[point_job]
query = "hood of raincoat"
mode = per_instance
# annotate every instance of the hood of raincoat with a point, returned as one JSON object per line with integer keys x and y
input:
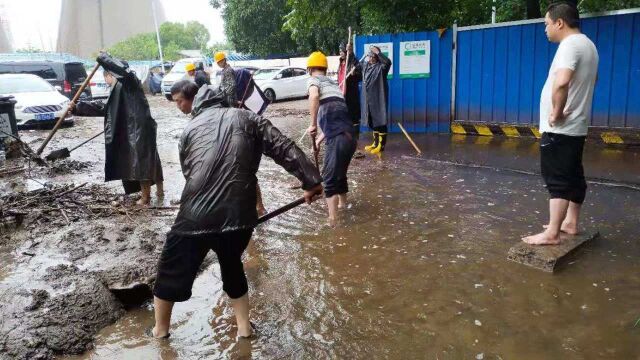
{"x": 220, "y": 152}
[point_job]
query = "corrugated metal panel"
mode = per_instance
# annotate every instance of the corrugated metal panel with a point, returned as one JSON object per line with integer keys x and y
{"x": 501, "y": 72}
{"x": 421, "y": 105}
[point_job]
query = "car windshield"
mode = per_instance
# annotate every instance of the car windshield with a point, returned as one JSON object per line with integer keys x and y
{"x": 178, "y": 68}
{"x": 13, "y": 85}
{"x": 265, "y": 74}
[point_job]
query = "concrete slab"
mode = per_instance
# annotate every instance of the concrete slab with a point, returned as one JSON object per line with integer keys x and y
{"x": 545, "y": 257}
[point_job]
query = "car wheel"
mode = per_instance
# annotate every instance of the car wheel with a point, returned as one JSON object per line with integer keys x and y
{"x": 169, "y": 97}
{"x": 270, "y": 94}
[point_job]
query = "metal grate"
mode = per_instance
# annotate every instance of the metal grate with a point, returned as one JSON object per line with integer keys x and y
{"x": 42, "y": 109}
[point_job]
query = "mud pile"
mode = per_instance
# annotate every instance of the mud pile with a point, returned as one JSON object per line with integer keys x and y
{"x": 68, "y": 166}
{"x": 82, "y": 254}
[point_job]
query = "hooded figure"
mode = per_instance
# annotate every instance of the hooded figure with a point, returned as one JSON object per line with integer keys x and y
{"x": 375, "y": 68}
{"x": 220, "y": 151}
{"x": 131, "y": 153}
{"x": 351, "y": 92}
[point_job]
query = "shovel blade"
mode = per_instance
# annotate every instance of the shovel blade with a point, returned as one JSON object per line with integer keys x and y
{"x": 58, "y": 154}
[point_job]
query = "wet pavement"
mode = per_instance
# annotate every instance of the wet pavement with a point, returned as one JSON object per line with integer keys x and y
{"x": 417, "y": 267}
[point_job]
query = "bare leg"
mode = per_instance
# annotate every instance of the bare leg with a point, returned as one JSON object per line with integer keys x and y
{"x": 342, "y": 201}
{"x": 160, "y": 190}
{"x": 162, "y": 309}
{"x": 241, "y": 310}
{"x": 332, "y": 205}
{"x": 259, "y": 205}
{"x": 570, "y": 223}
{"x": 551, "y": 235}
{"x": 145, "y": 199}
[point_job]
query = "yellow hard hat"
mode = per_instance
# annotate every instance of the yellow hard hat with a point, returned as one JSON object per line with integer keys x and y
{"x": 317, "y": 59}
{"x": 189, "y": 67}
{"x": 219, "y": 56}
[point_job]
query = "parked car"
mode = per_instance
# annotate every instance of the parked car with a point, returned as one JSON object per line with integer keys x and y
{"x": 99, "y": 88}
{"x": 279, "y": 83}
{"x": 178, "y": 73}
{"x": 66, "y": 77}
{"x": 37, "y": 101}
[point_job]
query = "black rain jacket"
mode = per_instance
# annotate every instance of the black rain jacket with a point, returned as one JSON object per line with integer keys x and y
{"x": 131, "y": 153}
{"x": 220, "y": 151}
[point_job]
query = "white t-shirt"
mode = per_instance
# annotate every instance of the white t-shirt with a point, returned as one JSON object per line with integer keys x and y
{"x": 578, "y": 53}
{"x": 326, "y": 85}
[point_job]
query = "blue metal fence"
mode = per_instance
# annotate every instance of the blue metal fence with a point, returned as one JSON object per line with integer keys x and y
{"x": 421, "y": 104}
{"x": 501, "y": 71}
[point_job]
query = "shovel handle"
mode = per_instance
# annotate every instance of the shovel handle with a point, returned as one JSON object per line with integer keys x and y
{"x": 86, "y": 141}
{"x": 64, "y": 115}
{"x": 284, "y": 209}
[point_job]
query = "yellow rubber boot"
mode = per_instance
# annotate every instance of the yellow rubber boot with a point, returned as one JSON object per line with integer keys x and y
{"x": 382, "y": 140}
{"x": 375, "y": 142}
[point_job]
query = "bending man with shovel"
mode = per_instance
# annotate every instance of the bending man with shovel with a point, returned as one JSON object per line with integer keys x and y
{"x": 129, "y": 131}
{"x": 220, "y": 151}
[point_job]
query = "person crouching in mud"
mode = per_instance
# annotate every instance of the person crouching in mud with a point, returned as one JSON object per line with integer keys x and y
{"x": 220, "y": 151}
{"x": 131, "y": 153}
{"x": 328, "y": 108}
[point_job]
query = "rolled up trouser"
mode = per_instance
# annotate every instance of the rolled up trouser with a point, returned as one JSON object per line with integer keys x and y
{"x": 561, "y": 166}
{"x": 338, "y": 153}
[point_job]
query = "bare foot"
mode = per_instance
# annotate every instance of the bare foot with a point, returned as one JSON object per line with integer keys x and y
{"x": 261, "y": 211}
{"x": 247, "y": 332}
{"x": 333, "y": 222}
{"x": 143, "y": 202}
{"x": 542, "y": 239}
{"x": 567, "y": 228}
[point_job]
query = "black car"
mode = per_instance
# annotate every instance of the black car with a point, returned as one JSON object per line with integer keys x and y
{"x": 66, "y": 77}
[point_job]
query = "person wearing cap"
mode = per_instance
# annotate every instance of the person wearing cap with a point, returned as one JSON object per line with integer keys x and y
{"x": 198, "y": 74}
{"x": 131, "y": 152}
{"x": 349, "y": 75}
{"x": 228, "y": 81}
{"x": 375, "y": 68}
{"x": 220, "y": 151}
{"x": 329, "y": 110}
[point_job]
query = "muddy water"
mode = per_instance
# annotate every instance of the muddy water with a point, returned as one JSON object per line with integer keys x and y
{"x": 417, "y": 269}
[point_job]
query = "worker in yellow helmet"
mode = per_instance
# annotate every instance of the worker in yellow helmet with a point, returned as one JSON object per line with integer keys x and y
{"x": 329, "y": 110}
{"x": 228, "y": 81}
{"x": 197, "y": 74}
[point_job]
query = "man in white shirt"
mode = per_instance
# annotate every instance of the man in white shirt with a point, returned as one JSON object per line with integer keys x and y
{"x": 565, "y": 114}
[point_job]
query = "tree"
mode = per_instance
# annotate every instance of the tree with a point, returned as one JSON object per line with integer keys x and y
{"x": 256, "y": 26}
{"x": 305, "y": 25}
{"x": 173, "y": 36}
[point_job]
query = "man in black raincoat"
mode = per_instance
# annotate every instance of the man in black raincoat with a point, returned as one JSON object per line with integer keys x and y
{"x": 375, "y": 68}
{"x": 349, "y": 87}
{"x": 131, "y": 153}
{"x": 220, "y": 151}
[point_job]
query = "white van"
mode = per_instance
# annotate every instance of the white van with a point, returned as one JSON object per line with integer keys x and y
{"x": 178, "y": 73}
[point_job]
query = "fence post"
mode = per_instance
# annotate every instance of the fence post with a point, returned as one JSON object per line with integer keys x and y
{"x": 454, "y": 60}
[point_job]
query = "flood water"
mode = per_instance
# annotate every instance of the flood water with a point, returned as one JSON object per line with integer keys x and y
{"x": 417, "y": 269}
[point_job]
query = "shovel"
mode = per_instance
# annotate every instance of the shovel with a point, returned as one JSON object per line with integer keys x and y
{"x": 65, "y": 153}
{"x": 284, "y": 209}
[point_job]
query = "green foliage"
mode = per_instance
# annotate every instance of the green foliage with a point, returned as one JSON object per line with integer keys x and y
{"x": 29, "y": 50}
{"x": 255, "y": 26}
{"x": 173, "y": 36}
{"x": 262, "y": 27}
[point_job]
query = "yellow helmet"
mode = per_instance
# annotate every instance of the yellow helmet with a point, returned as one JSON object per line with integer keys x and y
{"x": 189, "y": 67}
{"x": 317, "y": 59}
{"x": 219, "y": 56}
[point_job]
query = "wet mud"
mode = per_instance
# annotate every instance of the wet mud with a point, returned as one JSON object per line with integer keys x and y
{"x": 416, "y": 269}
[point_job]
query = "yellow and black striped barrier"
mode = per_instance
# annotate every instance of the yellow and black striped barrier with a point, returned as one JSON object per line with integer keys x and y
{"x": 605, "y": 136}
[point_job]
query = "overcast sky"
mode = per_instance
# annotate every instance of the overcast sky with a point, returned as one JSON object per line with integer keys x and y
{"x": 35, "y": 22}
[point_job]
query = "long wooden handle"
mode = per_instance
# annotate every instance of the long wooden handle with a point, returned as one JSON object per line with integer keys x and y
{"x": 410, "y": 139}
{"x": 64, "y": 115}
{"x": 284, "y": 209}
{"x": 346, "y": 64}
{"x": 315, "y": 151}
{"x": 86, "y": 141}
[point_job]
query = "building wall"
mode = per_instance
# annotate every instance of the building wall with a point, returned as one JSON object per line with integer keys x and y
{"x": 87, "y": 26}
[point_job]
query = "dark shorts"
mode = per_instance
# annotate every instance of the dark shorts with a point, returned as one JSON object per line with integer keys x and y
{"x": 561, "y": 166}
{"x": 338, "y": 153}
{"x": 182, "y": 256}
